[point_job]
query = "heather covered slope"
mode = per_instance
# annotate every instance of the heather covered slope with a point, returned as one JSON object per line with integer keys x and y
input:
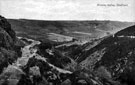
{"x": 116, "y": 54}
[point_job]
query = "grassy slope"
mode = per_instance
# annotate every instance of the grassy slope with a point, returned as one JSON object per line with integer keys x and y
{"x": 37, "y": 28}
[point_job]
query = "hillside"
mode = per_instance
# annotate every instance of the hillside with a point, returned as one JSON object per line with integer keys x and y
{"x": 87, "y": 30}
{"x": 116, "y": 54}
{"x": 35, "y": 56}
{"x": 10, "y": 46}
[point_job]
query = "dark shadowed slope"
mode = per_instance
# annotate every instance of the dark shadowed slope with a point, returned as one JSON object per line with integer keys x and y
{"x": 127, "y": 32}
{"x": 9, "y": 44}
{"x": 117, "y": 54}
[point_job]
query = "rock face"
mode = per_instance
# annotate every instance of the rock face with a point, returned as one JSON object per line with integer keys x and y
{"x": 10, "y": 46}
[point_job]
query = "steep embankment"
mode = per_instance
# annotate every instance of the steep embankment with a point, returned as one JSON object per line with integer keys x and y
{"x": 9, "y": 45}
{"x": 116, "y": 55}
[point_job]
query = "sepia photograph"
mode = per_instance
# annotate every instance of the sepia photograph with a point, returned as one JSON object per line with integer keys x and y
{"x": 67, "y": 42}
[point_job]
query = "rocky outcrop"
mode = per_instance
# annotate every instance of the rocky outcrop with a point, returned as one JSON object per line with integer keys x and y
{"x": 10, "y": 46}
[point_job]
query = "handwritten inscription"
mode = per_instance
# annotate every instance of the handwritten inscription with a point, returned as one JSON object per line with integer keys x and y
{"x": 113, "y": 5}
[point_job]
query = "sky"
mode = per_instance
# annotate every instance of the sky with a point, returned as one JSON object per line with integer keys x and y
{"x": 69, "y": 9}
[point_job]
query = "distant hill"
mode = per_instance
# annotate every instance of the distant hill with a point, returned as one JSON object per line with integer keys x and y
{"x": 38, "y": 29}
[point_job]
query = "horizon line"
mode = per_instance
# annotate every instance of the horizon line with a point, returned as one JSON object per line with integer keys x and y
{"x": 70, "y": 20}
